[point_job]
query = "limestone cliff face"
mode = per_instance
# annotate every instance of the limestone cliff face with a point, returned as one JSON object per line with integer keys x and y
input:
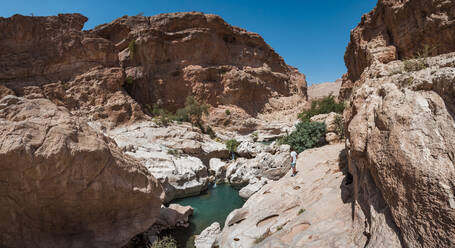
{"x": 400, "y": 128}
{"x": 163, "y": 59}
{"x": 180, "y": 54}
{"x": 399, "y": 29}
{"x": 41, "y": 50}
{"x": 65, "y": 185}
{"x": 400, "y": 123}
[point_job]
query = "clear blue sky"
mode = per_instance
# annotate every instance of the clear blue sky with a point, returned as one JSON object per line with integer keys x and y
{"x": 309, "y": 34}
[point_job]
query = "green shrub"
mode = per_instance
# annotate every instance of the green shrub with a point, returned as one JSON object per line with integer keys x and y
{"x": 192, "y": 110}
{"x": 321, "y": 106}
{"x": 306, "y": 136}
{"x": 301, "y": 211}
{"x": 164, "y": 117}
{"x": 232, "y": 145}
{"x": 228, "y": 112}
{"x": 165, "y": 120}
{"x": 164, "y": 242}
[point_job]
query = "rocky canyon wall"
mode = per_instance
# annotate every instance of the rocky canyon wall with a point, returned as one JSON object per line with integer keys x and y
{"x": 399, "y": 30}
{"x": 63, "y": 90}
{"x": 158, "y": 60}
{"x": 400, "y": 122}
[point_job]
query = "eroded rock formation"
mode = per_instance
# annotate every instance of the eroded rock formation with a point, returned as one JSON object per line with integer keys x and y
{"x": 171, "y": 56}
{"x": 312, "y": 209}
{"x": 158, "y": 60}
{"x": 65, "y": 185}
{"x": 401, "y": 152}
{"x": 399, "y": 123}
{"x": 399, "y": 29}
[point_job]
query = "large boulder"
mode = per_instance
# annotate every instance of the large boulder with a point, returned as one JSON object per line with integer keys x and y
{"x": 254, "y": 186}
{"x": 178, "y": 155}
{"x": 267, "y": 165}
{"x": 218, "y": 168}
{"x": 66, "y": 185}
{"x": 208, "y": 237}
{"x": 173, "y": 216}
{"x": 334, "y": 126}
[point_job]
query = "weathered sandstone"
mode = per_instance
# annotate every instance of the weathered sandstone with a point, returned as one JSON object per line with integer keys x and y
{"x": 229, "y": 66}
{"x": 177, "y": 155}
{"x": 152, "y": 59}
{"x": 398, "y": 29}
{"x": 400, "y": 138}
{"x": 312, "y": 209}
{"x": 66, "y": 185}
{"x": 207, "y": 238}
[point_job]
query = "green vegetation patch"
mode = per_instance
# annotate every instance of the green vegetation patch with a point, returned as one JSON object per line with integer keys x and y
{"x": 192, "y": 112}
{"x": 306, "y": 136}
{"x": 322, "y": 106}
{"x": 232, "y": 145}
{"x": 164, "y": 242}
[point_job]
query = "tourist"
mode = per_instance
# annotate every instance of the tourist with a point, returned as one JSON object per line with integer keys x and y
{"x": 294, "y": 162}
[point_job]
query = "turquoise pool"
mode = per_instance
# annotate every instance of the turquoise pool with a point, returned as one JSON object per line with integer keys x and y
{"x": 213, "y": 205}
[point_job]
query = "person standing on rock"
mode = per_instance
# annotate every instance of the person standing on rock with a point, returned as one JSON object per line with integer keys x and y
{"x": 294, "y": 162}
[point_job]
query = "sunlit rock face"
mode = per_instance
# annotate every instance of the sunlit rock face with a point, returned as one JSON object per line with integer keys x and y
{"x": 181, "y": 54}
{"x": 398, "y": 29}
{"x": 158, "y": 60}
{"x": 400, "y": 125}
{"x": 66, "y": 185}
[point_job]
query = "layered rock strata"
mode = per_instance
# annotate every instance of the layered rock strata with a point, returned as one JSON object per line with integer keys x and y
{"x": 159, "y": 60}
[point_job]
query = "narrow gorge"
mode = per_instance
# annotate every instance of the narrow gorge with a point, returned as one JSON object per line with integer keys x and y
{"x": 176, "y": 130}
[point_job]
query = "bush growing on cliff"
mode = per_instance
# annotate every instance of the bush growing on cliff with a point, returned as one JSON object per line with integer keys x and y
{"x": 192, "y": 112}
{"x": 306, "y": 136}
{"x": 232, "y": 145}
{"x": 164, "y": 242}
{"x": 322, "y": 106}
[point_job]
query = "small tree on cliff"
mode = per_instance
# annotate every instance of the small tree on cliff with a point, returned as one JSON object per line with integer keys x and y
{"x": 192, "y": 112}
{"x": 232, "y": 145}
